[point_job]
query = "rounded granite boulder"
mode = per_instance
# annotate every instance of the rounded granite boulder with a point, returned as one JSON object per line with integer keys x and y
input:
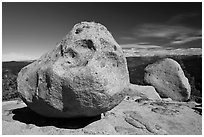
{"x": 168, "y": 79}
{"x": 85, "y": 75}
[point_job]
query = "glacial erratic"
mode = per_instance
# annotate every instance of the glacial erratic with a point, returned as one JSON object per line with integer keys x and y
{"x": 85, "y": 75}
{"x": 168, "y": 78}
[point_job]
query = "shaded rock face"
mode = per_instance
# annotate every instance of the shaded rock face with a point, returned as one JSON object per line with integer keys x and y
{"x": 85, "y": 75}
{"x": 169, "y": 80}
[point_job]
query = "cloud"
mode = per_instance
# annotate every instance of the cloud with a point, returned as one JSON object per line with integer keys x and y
{"x": 178, "y": 30}
{"x": 183, "y": 18}
{"x": 184, "y": 40}
{"x": 17, "y": 57}
{"x": 163, "y": 31}
{"x": 169, "y": 34}
{"x": 140, "y": 46}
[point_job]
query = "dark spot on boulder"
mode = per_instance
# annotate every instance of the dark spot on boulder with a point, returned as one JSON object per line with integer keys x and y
{"x": 86, "y": 43}
{"x": 71, "y": 52}
{"x": 112, "y": 55}
{"x": 86, "y": 26}
{"x": 86, "y": 62}
{"x": 115, "y": 48}
{"x": 78, "y": 30}
{"x": 90, "y": 44}
{"x": 61, "y": 50}
{"x": 48, "y": 81}
{"x": 37, "y": 79}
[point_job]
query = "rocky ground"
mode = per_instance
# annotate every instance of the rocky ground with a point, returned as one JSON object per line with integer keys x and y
{"x": 133, "y": 116}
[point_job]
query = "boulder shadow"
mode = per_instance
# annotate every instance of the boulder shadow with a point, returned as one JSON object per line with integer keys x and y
{"x": 27, "y": 116}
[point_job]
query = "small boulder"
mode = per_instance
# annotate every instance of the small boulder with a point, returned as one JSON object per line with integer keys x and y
{"x": 169, "y": 80}
{"x": 148, "y": 92}
{"x": 85, "y": 75}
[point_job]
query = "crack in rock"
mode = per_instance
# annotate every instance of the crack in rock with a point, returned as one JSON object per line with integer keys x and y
{"x": 149, "y": 126}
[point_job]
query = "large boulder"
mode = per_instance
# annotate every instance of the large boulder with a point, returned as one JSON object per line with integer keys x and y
{"x": 85, "y": 75}
{"x": 169, "y": 80}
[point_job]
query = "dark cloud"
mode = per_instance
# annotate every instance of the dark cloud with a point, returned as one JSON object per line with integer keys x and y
{"x": 187, "y": 19}
{"x": 163, "y": 31}
{"x": 181, "y": 17}
{"x": 173, "y": 31}
{"x": 168, "y": 32}
{"x": 178, "y": 29}
{"x": 163, "y": 34}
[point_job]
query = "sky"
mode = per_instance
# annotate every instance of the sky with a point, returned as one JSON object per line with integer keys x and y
{"x": 31, "y": 29}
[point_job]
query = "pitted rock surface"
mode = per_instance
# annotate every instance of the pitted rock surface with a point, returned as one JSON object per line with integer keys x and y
{"x": 85, "y": 75}
{"x": 168, "y": 79}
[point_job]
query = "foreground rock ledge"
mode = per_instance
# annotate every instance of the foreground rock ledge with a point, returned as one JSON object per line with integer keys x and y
{"x": 85, "y": 75}
{"x": 130, "y": 117}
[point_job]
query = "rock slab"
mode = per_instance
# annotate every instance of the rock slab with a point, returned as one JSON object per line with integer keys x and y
{"x": 147, "y": 92}
{"x": 168, "y": 79}
{"x": 85, "y": 75}
{"x": 128, "y": 118}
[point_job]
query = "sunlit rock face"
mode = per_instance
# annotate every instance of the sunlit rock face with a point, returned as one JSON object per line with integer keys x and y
{"x": 147, "y": 92}
{"x": 168, "y": 79}
{"x": 85, "y": 75}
